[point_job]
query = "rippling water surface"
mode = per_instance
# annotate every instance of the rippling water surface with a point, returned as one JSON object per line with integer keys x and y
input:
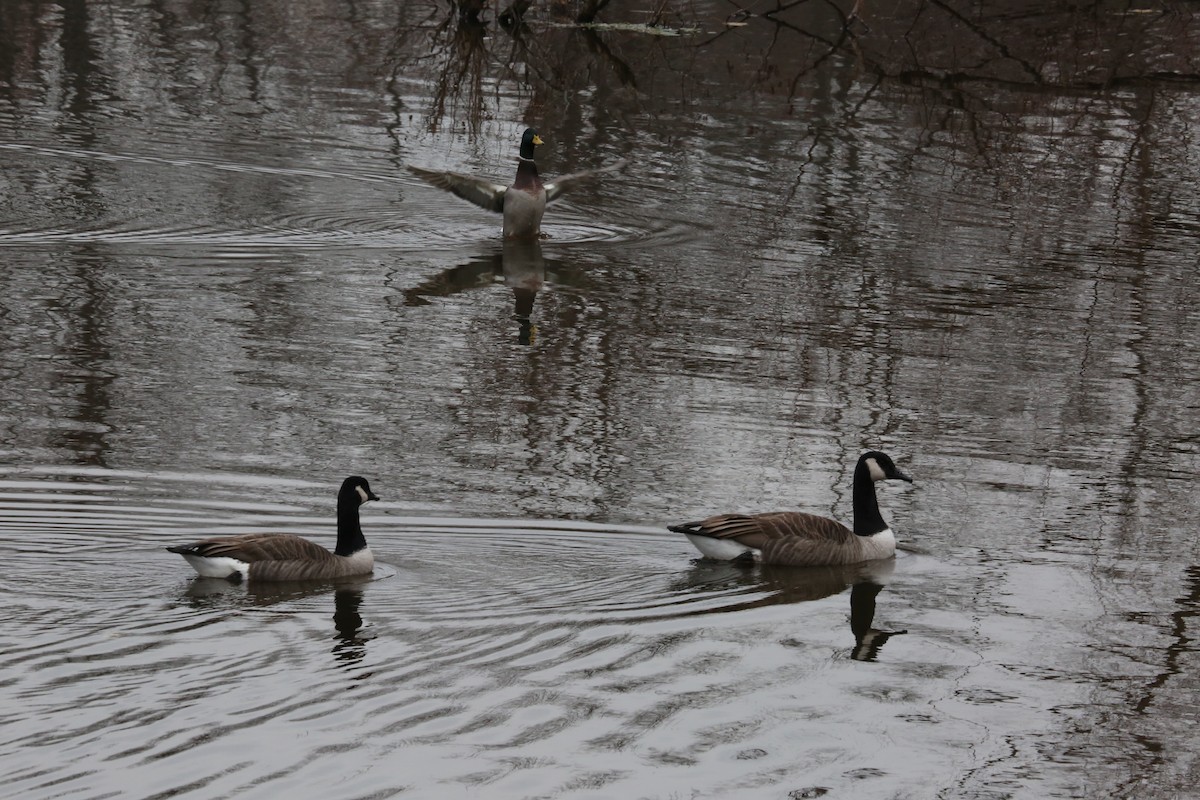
{"x": 962, "y": 235}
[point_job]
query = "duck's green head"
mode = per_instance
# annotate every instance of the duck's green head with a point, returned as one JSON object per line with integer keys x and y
{"x": 529, "y": 140}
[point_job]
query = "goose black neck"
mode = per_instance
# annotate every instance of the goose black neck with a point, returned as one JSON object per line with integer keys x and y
{"x": 867, "y": 519}
{"x": 350, "y": 536}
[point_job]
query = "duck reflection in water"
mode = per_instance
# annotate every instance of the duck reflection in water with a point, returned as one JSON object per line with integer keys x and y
{"x": 519, "y": 265}
{"x": 804, "y": 584}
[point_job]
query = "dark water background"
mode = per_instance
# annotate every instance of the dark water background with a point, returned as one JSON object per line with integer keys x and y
{"x": 962, "y": 233}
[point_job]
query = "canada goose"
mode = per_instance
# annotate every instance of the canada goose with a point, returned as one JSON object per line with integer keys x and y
{"x": 805, "y": 540}
{"x": 284, "y": 557}
{"x": 523, "y": 203}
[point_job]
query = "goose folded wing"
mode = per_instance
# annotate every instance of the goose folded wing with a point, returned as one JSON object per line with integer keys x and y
{"x": 262, "y": 547}
{"x": 755, "y": 530}
{"x": 798, "y": 525}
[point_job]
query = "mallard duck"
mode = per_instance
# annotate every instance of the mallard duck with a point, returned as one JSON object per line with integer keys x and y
{"x": 805, "y": 540}
{"x": 284, "y": 557}
{"x": 523, "y": 203}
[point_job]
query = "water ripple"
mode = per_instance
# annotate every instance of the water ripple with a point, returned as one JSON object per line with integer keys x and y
{"x": 178, "y": 161}
{"x": 513, "y": 640}
{"x": 387, "y": 229}
{"x": 345, "y": 219}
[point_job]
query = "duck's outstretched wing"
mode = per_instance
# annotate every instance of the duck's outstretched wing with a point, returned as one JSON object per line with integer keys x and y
{"x": 564, "y": 183}
{"x": 254, "y": 547}
{"x": 483, "y": 193}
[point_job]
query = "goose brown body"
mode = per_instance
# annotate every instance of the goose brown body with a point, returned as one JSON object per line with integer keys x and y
{"x": 281, "y": 557}
{"x": 794, "y": 538}
{"x": 284, "y": 557}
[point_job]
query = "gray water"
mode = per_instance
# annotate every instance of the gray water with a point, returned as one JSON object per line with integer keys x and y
{"x": 964, "y": 234}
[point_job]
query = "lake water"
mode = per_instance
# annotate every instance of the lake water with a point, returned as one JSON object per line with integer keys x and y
{"x": 964, "y": 234}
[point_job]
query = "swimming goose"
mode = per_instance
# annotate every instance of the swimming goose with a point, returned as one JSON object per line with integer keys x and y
{"x": 284, "y": 557}
{"x": 523, "y": 203}
{"x": 805, "y": 540}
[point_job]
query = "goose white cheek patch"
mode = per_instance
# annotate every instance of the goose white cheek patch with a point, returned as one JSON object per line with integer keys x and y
{"x": 877, "y": 473}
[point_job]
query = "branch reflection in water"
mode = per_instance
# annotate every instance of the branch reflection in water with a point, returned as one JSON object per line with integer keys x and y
{"x": 469, "y": 52}
{"x": 805, "y": 584}
{"x": 521, "y": 266}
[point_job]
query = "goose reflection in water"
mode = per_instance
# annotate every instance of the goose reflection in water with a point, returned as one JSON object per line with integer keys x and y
{"x": 519, "y": 265}
{"x": 867, "y": 640}
{"x": 350, "y": 641}
{"x": 804, "y": 584}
